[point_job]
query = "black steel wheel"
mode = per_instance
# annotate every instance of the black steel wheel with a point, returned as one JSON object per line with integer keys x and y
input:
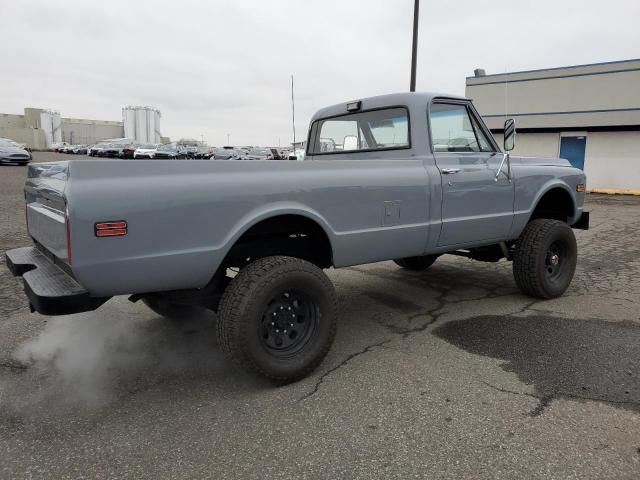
{"x": 288, "y": 323}
{"x": 416, "y": 263}
{"x": 545, "y": 258}
{"x": 278, "y": 318}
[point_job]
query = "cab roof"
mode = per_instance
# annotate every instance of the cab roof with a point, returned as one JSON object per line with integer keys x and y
{"x": 409, "y": 99}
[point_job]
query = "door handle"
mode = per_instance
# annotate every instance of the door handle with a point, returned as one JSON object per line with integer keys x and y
{"x": 449, "y": 171}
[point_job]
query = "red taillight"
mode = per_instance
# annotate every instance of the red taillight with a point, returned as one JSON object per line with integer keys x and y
{"x": 111, "y": 229}
{"x": 68, "y": 227}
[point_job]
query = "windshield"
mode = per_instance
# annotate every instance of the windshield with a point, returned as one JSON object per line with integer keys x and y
{"x": 149, "y": 146}
{"x": 259, "y": 152}
{"x": 167, "y": 148}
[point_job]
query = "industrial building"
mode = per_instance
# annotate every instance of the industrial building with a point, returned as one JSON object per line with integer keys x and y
{"x": 40, "y": 128}
{"x": 588, "y": 114}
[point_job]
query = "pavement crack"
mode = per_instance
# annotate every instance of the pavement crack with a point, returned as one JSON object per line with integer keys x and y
{"x": 344, "y": 363}
{"x": 13, "y": 365}
{"x": 543, "y": 401}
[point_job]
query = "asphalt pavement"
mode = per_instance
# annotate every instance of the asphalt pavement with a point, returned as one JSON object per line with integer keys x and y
{"x": 449, "y": 373}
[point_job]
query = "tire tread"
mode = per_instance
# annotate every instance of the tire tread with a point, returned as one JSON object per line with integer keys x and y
{"x": 239, "y": 294}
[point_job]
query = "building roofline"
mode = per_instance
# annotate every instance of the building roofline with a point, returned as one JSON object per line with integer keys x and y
{"x": 555, "y": 68}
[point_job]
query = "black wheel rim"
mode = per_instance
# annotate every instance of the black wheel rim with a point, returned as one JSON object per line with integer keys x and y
{"x": 555, "y": 261}
{"x": 288, "y": 323}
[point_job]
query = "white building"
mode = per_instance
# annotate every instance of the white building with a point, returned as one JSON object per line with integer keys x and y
{"x": 588, "y": 114}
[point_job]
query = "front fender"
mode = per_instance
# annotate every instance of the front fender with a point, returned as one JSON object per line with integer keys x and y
{"x": 529, "y": 194}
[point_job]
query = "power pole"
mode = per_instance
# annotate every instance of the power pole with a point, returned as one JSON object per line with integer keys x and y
{"x": 293, "y": 115}
{"x": 414, "y": 50}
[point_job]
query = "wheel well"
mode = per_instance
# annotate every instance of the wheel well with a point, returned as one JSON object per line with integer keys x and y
{"x": 556, "y": 204}
{"x": 293, "y": 235}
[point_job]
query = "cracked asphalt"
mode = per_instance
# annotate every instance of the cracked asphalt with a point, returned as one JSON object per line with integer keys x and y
{"x": 449, "y": 373}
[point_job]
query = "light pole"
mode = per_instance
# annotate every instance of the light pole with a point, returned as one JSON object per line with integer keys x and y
{"x": 293, "y": 115}
{"x": 228, "y": 135}
{"x": 414, "y": 50}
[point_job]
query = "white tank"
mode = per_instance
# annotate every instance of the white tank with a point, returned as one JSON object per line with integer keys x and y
{"x": 151, "y": 126}
{"x": 141, "y": 124}
{"x": 129, "y": 120}
{"x": 156, "y": 131}
{"x": 51, "y": 124}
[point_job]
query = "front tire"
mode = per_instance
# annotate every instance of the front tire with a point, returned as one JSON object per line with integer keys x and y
{"x": 278, "y": 318}
{"x": 545, "y": 258}
{"x": 416, "y": 263}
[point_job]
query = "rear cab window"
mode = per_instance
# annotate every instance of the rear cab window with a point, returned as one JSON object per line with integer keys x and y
{"x": 372, "y": 130}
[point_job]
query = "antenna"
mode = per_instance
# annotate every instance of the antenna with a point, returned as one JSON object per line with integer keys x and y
{"x": 293, "y": 115}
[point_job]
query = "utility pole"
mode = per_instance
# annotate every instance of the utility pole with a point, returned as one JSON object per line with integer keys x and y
{"x": 228, "y": 135}
{"x": 414, "y": 50}
{"x": 293, "y": 115}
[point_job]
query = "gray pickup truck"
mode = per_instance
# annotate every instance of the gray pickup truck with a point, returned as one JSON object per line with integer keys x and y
{"x": 404, "y": 177}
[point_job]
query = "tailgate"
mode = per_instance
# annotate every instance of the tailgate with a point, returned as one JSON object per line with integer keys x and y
{"x": 46, "y": 206}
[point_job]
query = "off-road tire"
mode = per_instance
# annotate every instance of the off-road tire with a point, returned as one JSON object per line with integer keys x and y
{"x": 416, "y": 263}
{"x": 242, "y": 316}
{"x": 531, "y": 262}
{"x": 174, "y": 311}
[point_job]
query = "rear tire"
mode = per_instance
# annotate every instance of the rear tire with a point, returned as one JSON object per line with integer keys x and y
{"x": 545, "y": 258}
{"x": 174, "y": 311}
{"x": 278, "y": 318}
{"x": 416, "y": 263}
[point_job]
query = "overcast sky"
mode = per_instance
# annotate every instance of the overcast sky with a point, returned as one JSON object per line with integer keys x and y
{"x": 223, "y": 67}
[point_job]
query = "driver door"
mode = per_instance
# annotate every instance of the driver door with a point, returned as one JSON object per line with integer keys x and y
{"x": 476, "y": 206}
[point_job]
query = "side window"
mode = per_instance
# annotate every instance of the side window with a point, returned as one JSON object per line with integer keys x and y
{"x": 454, "y": 130}
{"x": 372, "y": 130}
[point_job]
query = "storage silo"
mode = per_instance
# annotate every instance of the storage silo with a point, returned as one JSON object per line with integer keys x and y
{"x": 156, "y": 132}
{"x": 141, "y": 124}
{"x": 56, "y": 122}
{"x": 129, "y": 120}
{"x": 151, "y": 126}
{"x": 51, "y": 125}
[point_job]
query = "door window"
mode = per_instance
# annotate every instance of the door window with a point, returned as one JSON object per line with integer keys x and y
{"x": 453, "y": 129}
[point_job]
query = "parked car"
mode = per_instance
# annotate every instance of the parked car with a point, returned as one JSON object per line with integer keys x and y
{"x": 259, "y": 154}
{"x": 145, "y": 151}
{"x": 96, "y": 149}
{"x": 191, "y": 151}
{"x": 22, "y": 146}
{"x": 128, "y": 151}
{"x": 112, "y": 150}
{"x": 229, "y": 154}
{"x": 57, "y": 147}
{"x": 297, "y": 154}
{"x": 170, "y": 151}
{"x": 79, "y": 149}
{"x": 422, "y": 178}
{"x": 10, "y": 152}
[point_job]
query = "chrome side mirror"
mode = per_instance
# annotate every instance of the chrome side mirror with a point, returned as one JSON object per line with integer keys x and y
{"x": 509, "y": 135}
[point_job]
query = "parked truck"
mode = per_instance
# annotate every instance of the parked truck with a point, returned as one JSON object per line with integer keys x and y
{"x": 404, "y": 177}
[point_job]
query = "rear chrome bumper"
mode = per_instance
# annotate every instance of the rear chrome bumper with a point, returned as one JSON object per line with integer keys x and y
{"x": 50, "y": 290}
